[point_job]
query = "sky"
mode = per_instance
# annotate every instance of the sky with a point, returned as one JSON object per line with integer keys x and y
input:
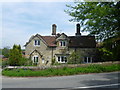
{"x": 20, "y": 20}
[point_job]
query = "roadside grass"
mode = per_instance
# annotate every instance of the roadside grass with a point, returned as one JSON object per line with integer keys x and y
{"x": 61, "y": 71}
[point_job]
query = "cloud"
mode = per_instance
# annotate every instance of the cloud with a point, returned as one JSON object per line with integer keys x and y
{"x": 20, "y": 20}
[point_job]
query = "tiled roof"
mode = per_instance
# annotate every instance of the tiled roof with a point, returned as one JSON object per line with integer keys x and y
{"x": 50, "y": 40}
{"x": 82, "y": 41}
{"x": 74, "y": 41}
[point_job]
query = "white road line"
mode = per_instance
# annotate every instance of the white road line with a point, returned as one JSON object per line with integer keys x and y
{"x": 86, "y": 87}
{"x": 98, "y": 86}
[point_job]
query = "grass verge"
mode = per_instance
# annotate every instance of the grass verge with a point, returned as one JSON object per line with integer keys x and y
{"x": 61, "y": 71}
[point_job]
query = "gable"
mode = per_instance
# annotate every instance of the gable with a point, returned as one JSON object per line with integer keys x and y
{"x": 36, "y": 37}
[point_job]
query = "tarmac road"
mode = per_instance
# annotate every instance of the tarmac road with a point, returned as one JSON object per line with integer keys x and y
{"x": 100, "y": 80}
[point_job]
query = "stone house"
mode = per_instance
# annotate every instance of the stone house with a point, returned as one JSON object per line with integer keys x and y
{"x": 42, "y": 49}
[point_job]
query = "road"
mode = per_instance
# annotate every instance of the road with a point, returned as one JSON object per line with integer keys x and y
{"x": 99, "y": 80}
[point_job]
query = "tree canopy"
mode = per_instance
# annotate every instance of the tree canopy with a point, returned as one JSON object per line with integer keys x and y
{"x": 99, "y": 18}
{"x": 5, "y": 51}
{"x": 15, "y": 56}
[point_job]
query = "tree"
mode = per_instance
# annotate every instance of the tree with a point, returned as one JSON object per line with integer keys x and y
{"x": 15, "y": 56}
{"x": 99, "y": 18}
{"x": 5, "y": 51}
{"x": 105, "y": 54}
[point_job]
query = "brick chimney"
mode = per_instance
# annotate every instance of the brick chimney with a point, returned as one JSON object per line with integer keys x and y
{"x": 54, "y": 29}
{"x": 78, "y": 30}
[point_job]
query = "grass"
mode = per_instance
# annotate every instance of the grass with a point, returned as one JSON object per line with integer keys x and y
{"x": 60, "y": 71}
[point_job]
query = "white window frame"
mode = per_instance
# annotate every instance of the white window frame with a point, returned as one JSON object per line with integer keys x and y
{"x": 60, "y": 57}
{"x": 36, "y": 42}
{"x": 62, "y": 43}
{"x": 35, "y": 57}
{"x": 87, "y": 59}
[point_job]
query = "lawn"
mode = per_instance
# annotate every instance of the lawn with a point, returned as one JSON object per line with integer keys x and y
{"x": 61, "y": 71}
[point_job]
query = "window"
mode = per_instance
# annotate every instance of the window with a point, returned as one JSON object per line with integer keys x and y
{"x": 35, "y": 59}
{"x": 62, "y": 43}
{"x": 58, "y": 58}
{"x": 87, "y": 59}
{"x": 62, "y": 59}
{"x": 65, "y": 58}
{"x": 37, "y": 42}
{"x": 42, "y": 60}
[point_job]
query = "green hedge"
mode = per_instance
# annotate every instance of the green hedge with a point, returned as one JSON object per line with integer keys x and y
{"x": 61, "y": 71}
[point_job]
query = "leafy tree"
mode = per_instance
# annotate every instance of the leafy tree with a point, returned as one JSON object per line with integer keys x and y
{"x": 105, "y": 54}
{"x": 99, "y": 18}
{"x": 74, "y": 58}
{"x": 15, "y": 56}
{"x": 5, "y": 51}
{"x": 113, "y": 45}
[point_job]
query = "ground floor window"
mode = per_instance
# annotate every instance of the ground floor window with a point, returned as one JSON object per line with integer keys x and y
{"x": 87, "y": 59}
{"x": 62, "y": 59}
{"x": 35, "y": 59}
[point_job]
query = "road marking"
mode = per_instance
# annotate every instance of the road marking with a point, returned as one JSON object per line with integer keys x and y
{"x": 91, "y": 86}
{"x": 98, "y": 86}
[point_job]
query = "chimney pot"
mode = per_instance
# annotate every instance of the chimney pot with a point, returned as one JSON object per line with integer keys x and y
{"x": 78, "y": 30}
{"x": 54, "y": 29}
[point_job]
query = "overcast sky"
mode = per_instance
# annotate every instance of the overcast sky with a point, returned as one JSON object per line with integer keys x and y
{"x": 21, "y": 20}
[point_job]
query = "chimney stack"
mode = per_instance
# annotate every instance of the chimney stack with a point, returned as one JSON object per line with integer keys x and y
{"x": 54, "y": 29}
{"x": 78, "y": 30}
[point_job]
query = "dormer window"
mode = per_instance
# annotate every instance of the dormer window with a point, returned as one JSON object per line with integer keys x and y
{"x": 62, "y": 43}
{"x": 37, "y": 42}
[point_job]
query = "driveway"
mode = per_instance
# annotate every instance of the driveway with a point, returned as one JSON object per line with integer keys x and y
{"x": 64, "y": 82}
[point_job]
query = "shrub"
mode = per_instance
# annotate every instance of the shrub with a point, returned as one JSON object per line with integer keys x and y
{"x": 53, "y": 60}
{"x": 25, "y": 61}
{"x": 74, "y": 58}
{"x": 5, "y": 63}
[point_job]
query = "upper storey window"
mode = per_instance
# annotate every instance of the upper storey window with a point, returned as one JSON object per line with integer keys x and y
{"x": 62, "y": 43}
{"x": 37, "y": 42}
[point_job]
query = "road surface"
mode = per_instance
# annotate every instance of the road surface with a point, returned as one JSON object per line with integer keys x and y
{"x": 99, "y": 80}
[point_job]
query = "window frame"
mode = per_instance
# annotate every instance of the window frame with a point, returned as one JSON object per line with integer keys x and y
{"x": 36, "y": 42}
{"x": 62, "y": 43}
{"x": 88, "y": 59}
{"x": 35, "y": 59}
{"x": 62, "y": 59}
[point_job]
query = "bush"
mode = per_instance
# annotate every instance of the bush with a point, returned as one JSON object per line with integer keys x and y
{"x": 74, "y": 58}
{"x": 5, "y": 63}
{"x": 25, "y": 62}
{"x": 53, "y": 61}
